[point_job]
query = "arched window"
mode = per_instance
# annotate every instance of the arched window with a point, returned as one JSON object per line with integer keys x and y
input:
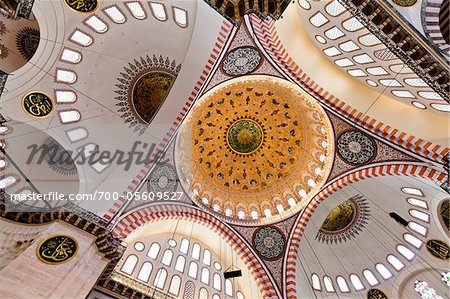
{"x": 180, "y": 16}
{"x": 167, "y": 257}
{"x": 115, "y": 14}
{"x": 412, "y": 240}
{"x": 342, "y": 284}
{"x": 217, "y": 283}
{"x": 205, "y": 276}
{"x": 130, "y": 264}
{"x": 172, "y": 242}
{"x": 69, "y": 116}
{"x": 228, "y": 287}
{"x": 412, "y": 191}
{"x": 71, "y": 56}
{"x": 175, "y": 284}
{"x": 356, "y": 282}
{"x": 77, "y": 134}
{"x": 184, "y": 247}
{"x": 418, "y": 228}
{"x": 371, "y": 279}
{"x": 162, "y": 264}
{"x": 383, "y": 271}
{"x": 179, "y": 265}
{"x": 145, "y": 272}
{"x": 196, "y": 251}
{"x": 395, "y": 262}
{"x": 315, "y": 282}
{"x": 96, "y": 24}
{"x": 159, "y": 11}
{"x": 193, "y": 270}
{"x": 207, "y": 257}
{"x": 217, "y": 266}
{"x": 153, "y": 251}
{"x": 239, "y": 295}
{"x": 160, "y": 279}
{"x": 328, "y": 284}
{"x": 417, "y": 202}
{"x": 139, "y": 246}
{"x": 66, "y": 76}
{"x": 203, "y": 294}
{"x": 419, "y": 215}
{"x": 8, "y": 181}
{"x": 408, "y": 254}
{"x": 136, "y": 10}
{"x": 81, "y": 38}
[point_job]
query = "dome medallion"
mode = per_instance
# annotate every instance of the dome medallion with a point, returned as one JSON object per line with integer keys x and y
{"x": 245, "y": 136}
{"x": 250, "y": 149}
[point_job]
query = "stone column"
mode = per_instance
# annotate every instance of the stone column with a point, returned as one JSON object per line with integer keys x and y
{"x": 28, "y": 277}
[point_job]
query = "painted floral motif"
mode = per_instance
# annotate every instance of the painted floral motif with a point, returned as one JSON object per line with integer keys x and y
{"x": 4, "y": 52}
{"x": 163, "y": 179}
{"x": 142, "y": 89}
{"x": 340, "y": 217}
{"x": 27, "y": 41}
{"x": 355, "y": 147}
{"x": 245, "y": 136}
{"x": 345, "y": 221}
{"x": 149, "y": 93}
{"x": 241, "y": 61}
{"x": 405, "y": 3}
{"x": 58, "y": 159}
{"x": 269, "y": 243}
{"x": 2, "y": 28}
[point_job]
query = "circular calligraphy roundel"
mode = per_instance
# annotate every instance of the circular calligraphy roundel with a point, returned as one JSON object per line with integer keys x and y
{"x": 438, "y": 249}
{"x": 376, "y": 294}
{"x": 57, "y": 249}
{"x": 37, "y": 104}
{"x": 82, "y": 6}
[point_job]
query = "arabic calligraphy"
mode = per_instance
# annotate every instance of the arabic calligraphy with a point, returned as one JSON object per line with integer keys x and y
{"x": 438, "y": 249}
{"x": 57, "y": 249}
{"x": 83, "y": 6}
{"x": 37, "y": 104}
{"x": 376, "y": 294}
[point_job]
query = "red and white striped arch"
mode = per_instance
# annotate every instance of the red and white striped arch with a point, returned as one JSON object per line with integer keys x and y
{"x": 139, "y": 218}
{"x": 268, "y": 37}
{"x": 412, "y": 170}
{"x": 436, "y": 24}
{"x": 221, "y": 40}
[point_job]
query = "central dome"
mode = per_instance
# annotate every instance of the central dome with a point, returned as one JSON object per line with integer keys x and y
{"x": 244, "y": 136}
{"x": 254, "y": 147}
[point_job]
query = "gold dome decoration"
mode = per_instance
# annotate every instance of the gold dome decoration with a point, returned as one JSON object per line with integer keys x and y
{"x": 245, "y": 136}
{"x": 254, "y": 148}
{"x": 340, "y": 217}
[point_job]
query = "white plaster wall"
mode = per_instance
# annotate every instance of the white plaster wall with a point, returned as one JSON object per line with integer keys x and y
{"x": 28, "y": 277}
